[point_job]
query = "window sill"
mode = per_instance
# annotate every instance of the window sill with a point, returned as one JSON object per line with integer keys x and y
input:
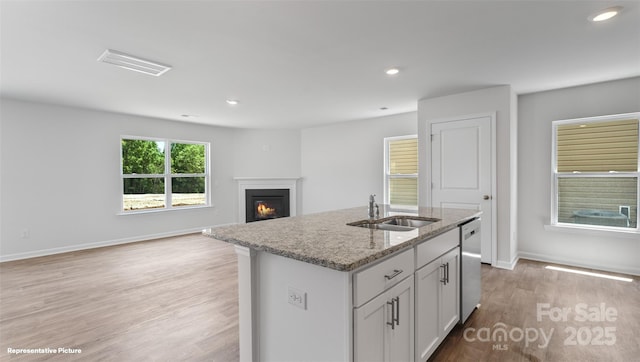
{"x": 154, "y": 211}
{"x": 594, "y": 231}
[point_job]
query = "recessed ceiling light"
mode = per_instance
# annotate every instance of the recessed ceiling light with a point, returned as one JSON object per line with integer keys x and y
{"x": 392, "y": 71}
{"x": 134, "y": 63}
{"x": 605, "y": 14}
{"x": 232, "y": 102}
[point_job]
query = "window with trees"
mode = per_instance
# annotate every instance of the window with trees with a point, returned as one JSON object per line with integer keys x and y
{"x": 596, "y": 172}
{"x": 401, "y": 171}
{"x": 160, "y": 174}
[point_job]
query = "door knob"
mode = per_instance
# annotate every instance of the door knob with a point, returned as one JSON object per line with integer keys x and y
{"x": 486, "y": 197}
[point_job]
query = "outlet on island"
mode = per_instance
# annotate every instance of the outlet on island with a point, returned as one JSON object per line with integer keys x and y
{"x": 297, "y": 298}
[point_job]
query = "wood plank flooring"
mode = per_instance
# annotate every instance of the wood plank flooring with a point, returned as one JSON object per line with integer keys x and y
{"x": 169, "y": 299}
{"x": 512, "y": 298}
{"x": 176, "y": 299}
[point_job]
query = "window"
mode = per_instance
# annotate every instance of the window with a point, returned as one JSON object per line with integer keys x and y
{"x": 595, "y": 172}
{"x": 163, "y": 174}
{"x": 401, "y": 171}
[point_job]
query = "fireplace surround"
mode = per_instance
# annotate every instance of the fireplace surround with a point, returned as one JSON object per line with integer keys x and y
{"x": 261, "y": 183}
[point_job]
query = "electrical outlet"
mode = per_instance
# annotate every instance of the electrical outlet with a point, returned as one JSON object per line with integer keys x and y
{"x": 297, "y": 297}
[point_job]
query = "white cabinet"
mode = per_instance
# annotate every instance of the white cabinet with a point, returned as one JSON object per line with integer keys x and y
{"x": 383, "y": 310}
{"x": 428, "y": 298}
{"x": 437, "y": 302}
{"x": 450, "y": 311}
{"x": 393, "y": 324}
{"x": 384, "y": 326}
{"x": 376, "y": 279}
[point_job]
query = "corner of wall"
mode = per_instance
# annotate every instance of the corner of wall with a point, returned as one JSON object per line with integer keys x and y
{"x": 513, "y": 174}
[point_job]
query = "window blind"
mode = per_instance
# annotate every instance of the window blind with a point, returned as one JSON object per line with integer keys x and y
{"x": 403, "y": 171}
{"x": 598, "y": 147}
{"x": 403, "y": 157}
{"x": 403, "y": 191}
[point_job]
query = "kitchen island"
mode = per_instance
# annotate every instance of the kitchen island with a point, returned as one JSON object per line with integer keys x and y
{"x": 306, "y": 283}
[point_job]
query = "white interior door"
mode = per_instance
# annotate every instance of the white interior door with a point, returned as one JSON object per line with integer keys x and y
{"x": 461, "y": 170}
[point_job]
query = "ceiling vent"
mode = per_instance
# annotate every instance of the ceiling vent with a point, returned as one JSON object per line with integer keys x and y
{"x": 131, "y": 62}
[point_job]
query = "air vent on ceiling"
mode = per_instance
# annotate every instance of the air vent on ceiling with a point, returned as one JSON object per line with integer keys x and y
{"x": 133, "y": 63}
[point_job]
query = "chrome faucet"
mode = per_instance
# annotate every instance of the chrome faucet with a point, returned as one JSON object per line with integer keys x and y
{"x": 372, "y": 203}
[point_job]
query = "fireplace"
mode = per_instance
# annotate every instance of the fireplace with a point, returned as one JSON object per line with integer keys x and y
{"x": 258, "y": 184}
{"x": 264, "y": 204}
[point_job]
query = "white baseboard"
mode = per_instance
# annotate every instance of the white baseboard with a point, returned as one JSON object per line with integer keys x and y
{"x": 99, "y": 244}
{"x": 578, "y": 263}
{"x": 507, "y": 265}
{"x": 223, "y": 225}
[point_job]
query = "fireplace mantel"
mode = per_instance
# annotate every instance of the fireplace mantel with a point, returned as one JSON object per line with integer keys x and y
{"x": 251, "y": 183}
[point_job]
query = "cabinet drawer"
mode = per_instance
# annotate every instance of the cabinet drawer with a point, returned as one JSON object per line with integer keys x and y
{"x": 374, "y": 280}
{"x": 433, "y": 248}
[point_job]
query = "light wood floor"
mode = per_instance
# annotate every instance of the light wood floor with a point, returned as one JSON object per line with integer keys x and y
{"x": 176, "y": 299}
{"x": 169, "y": 299}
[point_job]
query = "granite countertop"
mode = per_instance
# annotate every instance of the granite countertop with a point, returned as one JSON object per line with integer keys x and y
{"x": 325, "y": 239}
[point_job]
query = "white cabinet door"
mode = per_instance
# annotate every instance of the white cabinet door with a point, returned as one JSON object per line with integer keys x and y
{"x": 383, "y": 327}
{"x": 450, "y": 302}
{"x": 427, "y": 309}
{"x": 370, "y": 324}
{"x": 437, "y": 302}
{"x": 401, "y": 334}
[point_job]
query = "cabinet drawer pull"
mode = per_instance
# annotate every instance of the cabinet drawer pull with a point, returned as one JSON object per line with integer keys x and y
{"x": 397, "y": 318}
{"x": 447, "y": 269}
{"x": 444, "y": 274}
{"x": 395, "y": 312}
{"x": 395, "y": 273}
{"x": 393, "y": 304}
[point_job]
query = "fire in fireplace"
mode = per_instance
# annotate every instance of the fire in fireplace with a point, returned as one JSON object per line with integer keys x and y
{"x": 264, "y": 211}
{"x": 263, "y": 204}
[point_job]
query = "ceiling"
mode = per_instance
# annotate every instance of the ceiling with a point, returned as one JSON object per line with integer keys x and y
{"x": 297, "y": 64}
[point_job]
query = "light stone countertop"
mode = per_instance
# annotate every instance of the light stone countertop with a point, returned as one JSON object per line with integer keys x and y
{"x": 325, "y": 239}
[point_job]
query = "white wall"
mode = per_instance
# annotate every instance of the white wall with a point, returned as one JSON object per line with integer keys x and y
{"x": 60, "y": 179}
{"x": 266, "y": 153}
{"x": 536, "y": 112}
{"x": 501, "y": 100}
{"x": 342, "y": 164}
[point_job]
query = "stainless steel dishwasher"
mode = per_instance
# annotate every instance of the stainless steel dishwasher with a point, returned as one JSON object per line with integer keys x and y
{"x": 470, "y": 279}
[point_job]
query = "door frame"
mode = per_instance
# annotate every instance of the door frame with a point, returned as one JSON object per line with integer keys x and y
{"x": 424, "y": 193}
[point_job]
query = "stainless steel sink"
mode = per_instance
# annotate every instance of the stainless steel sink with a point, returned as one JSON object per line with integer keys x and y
{"x": 380, "y": 226}
{"x": 395, "y": 223}
{"x": 411, "y": 221}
